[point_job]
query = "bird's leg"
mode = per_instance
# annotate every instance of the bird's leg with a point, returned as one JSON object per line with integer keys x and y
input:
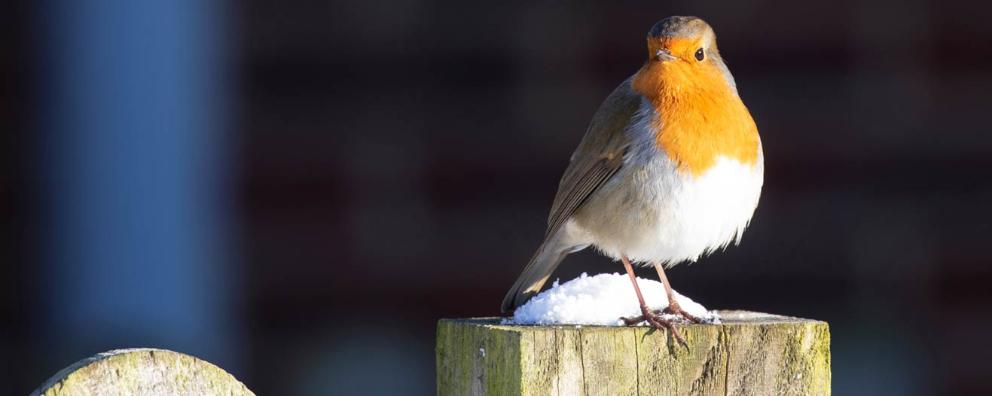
{"x": 673, "y": 304}
{"x": 646, "y": 314}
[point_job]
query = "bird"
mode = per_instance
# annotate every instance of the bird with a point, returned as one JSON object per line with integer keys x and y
{"x": 669, "y": 170}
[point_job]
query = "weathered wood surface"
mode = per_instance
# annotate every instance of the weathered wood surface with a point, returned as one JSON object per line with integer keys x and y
{"x": 748, "y": 354}
{"x": 142, "y": 372}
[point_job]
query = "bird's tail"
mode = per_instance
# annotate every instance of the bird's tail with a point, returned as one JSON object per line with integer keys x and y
{"x": 537, "y": 271}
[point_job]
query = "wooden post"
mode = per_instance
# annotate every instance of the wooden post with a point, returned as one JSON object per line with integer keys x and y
{"x": 142, "y": 372}
{"x": 748, "y": 354}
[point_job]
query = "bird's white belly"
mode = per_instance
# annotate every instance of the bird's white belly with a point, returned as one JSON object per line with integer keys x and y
{"x": 651, "y": 212}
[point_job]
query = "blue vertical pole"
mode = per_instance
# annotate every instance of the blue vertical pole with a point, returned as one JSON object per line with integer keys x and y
{"x": 134, "y": 151}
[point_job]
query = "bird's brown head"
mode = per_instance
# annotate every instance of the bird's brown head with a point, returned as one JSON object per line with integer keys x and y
{"x": 681, "y": 38}
{"x": 682, "y": 56}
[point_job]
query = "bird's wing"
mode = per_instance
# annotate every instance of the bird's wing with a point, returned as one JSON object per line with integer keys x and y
{"x": 599, "y": 156}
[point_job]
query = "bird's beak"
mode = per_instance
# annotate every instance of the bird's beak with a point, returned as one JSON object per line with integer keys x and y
{"x": 665, "y": 56}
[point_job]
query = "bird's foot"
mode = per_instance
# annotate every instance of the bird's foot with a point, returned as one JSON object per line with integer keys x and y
{"x": 656, "y": 321}
{"x": 674, "y": 309}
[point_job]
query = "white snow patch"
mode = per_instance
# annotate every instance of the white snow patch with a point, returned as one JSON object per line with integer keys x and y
{"x": 600, "y": 300}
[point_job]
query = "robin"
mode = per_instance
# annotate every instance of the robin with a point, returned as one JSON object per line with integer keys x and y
{"x": 670, "y": 169}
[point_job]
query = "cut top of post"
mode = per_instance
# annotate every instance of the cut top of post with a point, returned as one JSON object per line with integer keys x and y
{"x": 747, "y": 354}
{"x": 141, "y": 372}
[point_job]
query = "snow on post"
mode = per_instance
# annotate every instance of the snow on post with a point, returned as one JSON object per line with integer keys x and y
{"x": 600, "y": 300}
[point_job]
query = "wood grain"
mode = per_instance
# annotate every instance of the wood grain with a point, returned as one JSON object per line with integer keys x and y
{"x": 151, "y": 372}
{"x": 748, "y": 354}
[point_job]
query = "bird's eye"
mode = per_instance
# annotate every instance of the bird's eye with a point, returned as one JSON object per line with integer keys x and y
{"x": 700, "y": 55}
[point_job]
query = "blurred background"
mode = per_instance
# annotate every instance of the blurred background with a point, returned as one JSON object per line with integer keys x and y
{"x": 297, "y": 191}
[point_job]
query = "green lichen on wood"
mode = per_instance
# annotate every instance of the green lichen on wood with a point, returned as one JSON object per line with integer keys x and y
{"x": 142, "y": 372}
{"x": 748, "y": 354}
{"x": 466, "y": 367}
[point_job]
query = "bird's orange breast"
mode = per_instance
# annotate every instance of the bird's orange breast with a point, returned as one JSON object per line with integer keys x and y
{"x": 700, "y": 118}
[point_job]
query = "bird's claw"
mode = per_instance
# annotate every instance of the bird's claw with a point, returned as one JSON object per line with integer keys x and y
{"x": 656, "y": 321}
{"x": 675, "y": 309}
